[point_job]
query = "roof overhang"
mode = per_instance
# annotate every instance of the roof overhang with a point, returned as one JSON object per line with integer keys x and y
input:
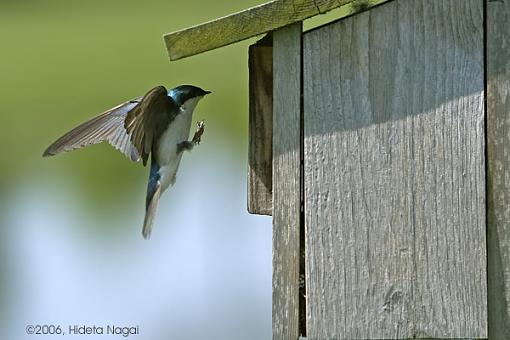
{"x": 254, "y": 21}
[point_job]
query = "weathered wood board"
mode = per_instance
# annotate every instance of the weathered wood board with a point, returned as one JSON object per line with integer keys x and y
{"x": 498, "y": 157}
{"x": 394, "y": 173}
{"x": 286, "y": 180}
{"x": 253, "y": 21}
{"x": 260, "y": 152}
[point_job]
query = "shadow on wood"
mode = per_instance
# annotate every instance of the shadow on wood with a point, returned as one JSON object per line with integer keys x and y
{"x": 395, "y": 173}
{"x": 260, "y": 153}
{"x": 498, "y": 157}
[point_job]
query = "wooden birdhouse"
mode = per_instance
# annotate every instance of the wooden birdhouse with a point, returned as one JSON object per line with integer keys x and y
{"x": 380, "y": 145}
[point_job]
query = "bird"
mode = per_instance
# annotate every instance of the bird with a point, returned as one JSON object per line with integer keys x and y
{"x": 156, "y": 125}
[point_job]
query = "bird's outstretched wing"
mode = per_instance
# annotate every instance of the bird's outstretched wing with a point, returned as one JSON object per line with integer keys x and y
{"x": 108, "y": 126}
{"x": 149, "y": 119}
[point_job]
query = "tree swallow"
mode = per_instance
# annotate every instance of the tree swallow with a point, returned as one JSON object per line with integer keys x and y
{"x": 157, "y": 124}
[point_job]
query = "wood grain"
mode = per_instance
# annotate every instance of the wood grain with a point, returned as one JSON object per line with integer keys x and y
{"x": 394, "y": 173}
{"x": 251, "y": 22}
{"x": 260, "y": 132}
{"x": 286, "y": 180}
{"x": 498, "y": 157}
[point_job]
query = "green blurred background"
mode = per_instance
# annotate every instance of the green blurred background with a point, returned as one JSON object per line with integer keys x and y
{"x": 71, "y": 251}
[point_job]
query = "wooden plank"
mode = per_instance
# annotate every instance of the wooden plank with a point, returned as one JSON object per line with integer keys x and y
{"x": 251, "y": 22}
{"x": 260, "y": 132}
{"x": 394, "y": 173}
{"x": 498, "y": 157}
{"x": 286, "y": 180}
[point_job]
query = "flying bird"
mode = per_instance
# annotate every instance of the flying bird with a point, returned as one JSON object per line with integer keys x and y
{"x": 156, "y": 124}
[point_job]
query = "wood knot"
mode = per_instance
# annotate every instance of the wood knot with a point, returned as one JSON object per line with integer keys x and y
{"x": 393, "y": 298}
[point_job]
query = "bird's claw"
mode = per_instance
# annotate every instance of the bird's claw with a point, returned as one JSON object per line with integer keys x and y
{"x": 197, "y": 137}
{"x": 188, "y": 145}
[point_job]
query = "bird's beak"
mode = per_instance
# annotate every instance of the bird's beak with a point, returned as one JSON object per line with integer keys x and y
{"x": 207, "y": 92}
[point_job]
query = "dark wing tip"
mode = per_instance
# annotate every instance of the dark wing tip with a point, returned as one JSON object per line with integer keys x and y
{"x": 49, "y": 152}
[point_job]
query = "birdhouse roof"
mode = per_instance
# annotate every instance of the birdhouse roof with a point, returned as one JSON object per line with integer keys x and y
{"x": 254, "y": 21}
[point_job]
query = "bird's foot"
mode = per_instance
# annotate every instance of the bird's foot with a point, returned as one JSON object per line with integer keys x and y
{"x": 197, "y": 137}
{"x": 189, "y": 145}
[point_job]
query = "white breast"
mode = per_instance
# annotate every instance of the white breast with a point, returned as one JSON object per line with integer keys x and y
{"x": 168, "y": 159}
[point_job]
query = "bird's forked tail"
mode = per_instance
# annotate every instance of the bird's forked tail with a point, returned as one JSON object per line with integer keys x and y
{"x": 152, "y": 200}
{"x": 150, "y": 212}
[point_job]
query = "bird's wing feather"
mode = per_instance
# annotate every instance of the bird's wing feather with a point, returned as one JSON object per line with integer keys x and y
{"x": 108, "y": 126}
{"x": 148, "y": 120}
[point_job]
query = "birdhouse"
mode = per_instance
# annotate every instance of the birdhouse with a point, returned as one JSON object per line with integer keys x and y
{"x": 380, "y": 145}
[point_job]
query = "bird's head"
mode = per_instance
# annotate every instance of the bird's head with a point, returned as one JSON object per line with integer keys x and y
{"x": 187, "y": 96}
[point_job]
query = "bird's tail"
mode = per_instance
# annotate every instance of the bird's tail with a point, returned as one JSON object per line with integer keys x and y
{"x": 152, "y": 199}
{"x": 150, "y": 212}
